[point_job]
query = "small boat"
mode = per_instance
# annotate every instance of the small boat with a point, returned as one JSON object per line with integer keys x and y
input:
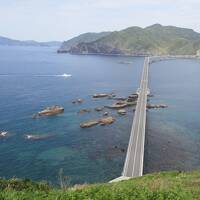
{"x": 3, "y": 133}
{"x": 66, "y": 75}
{"x": 29, "y": 136}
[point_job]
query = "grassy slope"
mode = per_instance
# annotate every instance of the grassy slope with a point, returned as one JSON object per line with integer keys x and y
{"x": 158, "y": 186}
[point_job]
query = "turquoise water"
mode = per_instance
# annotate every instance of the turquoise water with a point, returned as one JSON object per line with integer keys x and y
{"x": 28, "y": 84}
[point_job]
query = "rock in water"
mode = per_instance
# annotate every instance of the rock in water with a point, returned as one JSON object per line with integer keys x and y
{"x": 117, "y": 105}
{"x": 54, "y": 110}
{"x": 89, "y": 123}
{"x": 106, "y": 120}
{"x": 80, "y": 100}
{"x": 152, "y": 106}
{"x": 77, "y": 101}
{"x": 83, "y": 111}
{"x": 101, "y": 121}
{"x": 121, "y": 111}
{"x": 100, "y": 95}
{"x": 98, "y": 109}
{"x": 105, "y": 114}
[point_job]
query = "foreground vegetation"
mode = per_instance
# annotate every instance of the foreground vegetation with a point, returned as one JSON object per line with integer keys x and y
{"x": 158, "y": 186}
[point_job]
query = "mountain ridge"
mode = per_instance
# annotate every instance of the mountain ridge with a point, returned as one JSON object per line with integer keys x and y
{"x": 152, "y": 40}
{"x": 85, "y": 37}
{"x": 12, "y": 42}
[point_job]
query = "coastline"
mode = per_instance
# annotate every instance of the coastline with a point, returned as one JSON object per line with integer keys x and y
{"x": 192, "y": 56}
{"x": 103, "y": 54}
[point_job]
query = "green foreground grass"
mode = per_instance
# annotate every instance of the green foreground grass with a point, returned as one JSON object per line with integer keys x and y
{"x": 157, "y": 186}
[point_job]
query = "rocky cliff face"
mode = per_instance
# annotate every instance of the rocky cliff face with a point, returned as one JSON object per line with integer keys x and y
{"x": 88, "y": 48}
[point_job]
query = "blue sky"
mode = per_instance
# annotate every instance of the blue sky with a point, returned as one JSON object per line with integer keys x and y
{"x": 45, "y": 20}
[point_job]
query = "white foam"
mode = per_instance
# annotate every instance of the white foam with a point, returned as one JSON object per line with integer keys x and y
{"x": 65, "y": 75}
{"x": 4, "y": 133}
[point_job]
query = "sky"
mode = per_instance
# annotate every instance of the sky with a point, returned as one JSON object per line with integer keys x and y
{"x": 48, "y": 20}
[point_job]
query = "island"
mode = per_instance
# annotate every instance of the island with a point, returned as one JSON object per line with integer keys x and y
{"x": 136, "y": 41}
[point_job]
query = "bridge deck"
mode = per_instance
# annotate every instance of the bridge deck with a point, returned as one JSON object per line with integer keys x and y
{"x": 133, "y": 166}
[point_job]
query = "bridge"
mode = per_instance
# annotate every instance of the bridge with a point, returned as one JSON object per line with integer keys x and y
{"x": 133, "y": 166}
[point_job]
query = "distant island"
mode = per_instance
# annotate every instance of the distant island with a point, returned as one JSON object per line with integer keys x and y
{"x": 152, "y": 40}
{"x": 11, "y": 42}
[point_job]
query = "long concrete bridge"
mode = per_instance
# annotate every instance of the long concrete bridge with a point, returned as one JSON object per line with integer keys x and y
{"x": 133, "y": 165}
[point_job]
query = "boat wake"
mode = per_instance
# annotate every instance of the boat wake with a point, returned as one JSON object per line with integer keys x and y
{"x": 65, "y": 75}
{"x": 39, "y": 75}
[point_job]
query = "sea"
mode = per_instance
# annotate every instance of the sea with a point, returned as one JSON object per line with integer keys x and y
{"x": 31, "y": 80}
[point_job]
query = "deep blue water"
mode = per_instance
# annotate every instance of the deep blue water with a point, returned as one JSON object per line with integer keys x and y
{"x": 28, "y": 84}
{"x": 84, "y": 155}
{"x": 173, "y": 134}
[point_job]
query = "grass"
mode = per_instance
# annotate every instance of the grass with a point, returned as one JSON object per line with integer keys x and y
{"x": 158, "y": 186}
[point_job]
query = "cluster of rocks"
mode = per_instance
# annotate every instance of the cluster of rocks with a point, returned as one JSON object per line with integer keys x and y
{"x": 119, "y": 105}
{"x": 98, "y": 109}
{"x": 124, "y": 102}
{"x": 102, "y": 121}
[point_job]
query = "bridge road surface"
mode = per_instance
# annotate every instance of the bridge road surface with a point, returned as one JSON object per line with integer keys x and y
{"x": 133, "y": 166}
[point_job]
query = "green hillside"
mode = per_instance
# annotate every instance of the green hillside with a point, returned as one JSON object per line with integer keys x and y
{"x": 4, "y": 41}
{"x": 158, "y": 186}
{"x": 153, "y": 40}
{"x": 86, "y": 37}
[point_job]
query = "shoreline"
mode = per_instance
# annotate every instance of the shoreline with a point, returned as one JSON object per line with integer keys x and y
{"x": 132, "y": 55}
